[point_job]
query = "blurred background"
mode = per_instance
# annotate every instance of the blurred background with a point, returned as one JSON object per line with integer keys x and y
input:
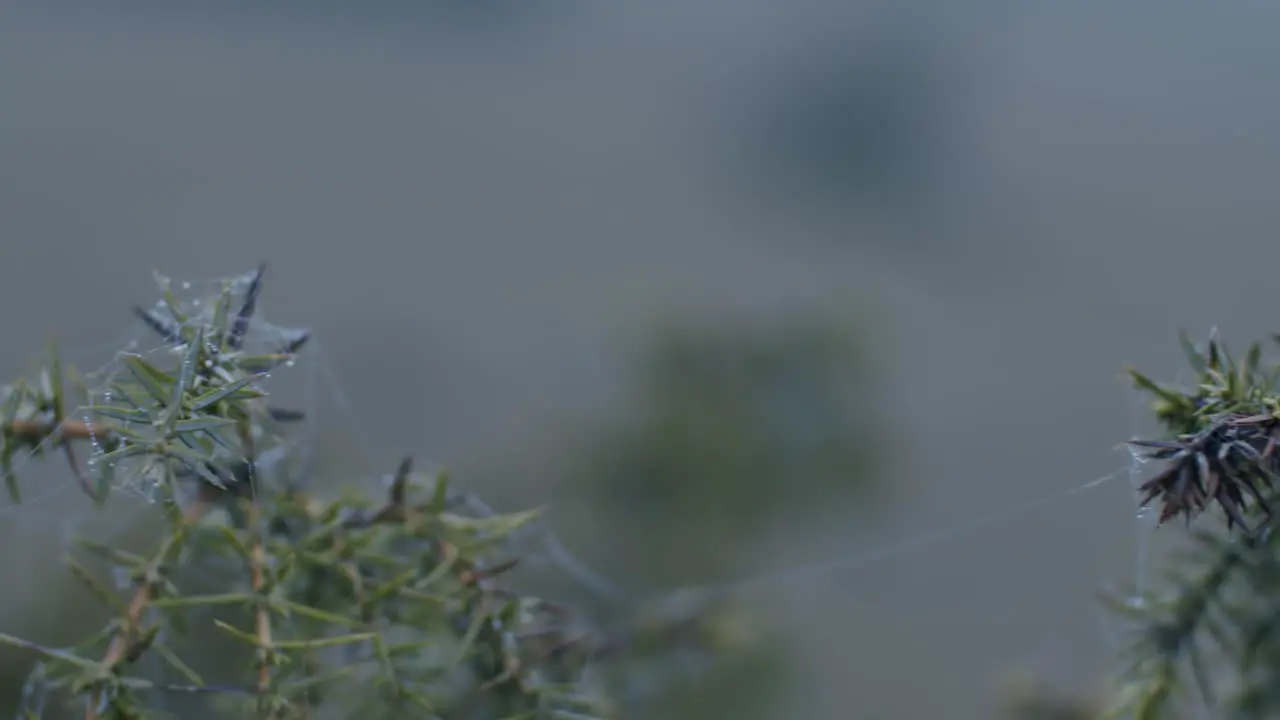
{"x": 733, "y": 286}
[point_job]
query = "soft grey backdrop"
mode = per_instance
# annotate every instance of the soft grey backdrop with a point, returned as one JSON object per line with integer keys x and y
{"x": 481, "y": 212}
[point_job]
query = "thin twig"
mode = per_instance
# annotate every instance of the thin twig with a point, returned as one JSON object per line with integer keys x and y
{"x": 257, "y": 572}
{"x": 69, "y": 429}
{"x": 120, "y": 645}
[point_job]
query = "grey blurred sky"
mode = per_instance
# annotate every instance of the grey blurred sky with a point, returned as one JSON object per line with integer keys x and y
{"x": 496, "y": 212}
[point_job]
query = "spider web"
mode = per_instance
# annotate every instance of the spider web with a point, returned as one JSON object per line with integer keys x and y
{"x": 312, "y": 398}
{"x": 134, "y": 484}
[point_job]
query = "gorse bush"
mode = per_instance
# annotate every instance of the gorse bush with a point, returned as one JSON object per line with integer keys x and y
{"x": 389, "y": 606}
{"x": 1206, "y": 641}
{"x": 1209, "y": 636}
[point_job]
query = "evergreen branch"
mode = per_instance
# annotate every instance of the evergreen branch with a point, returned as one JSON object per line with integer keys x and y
{"x": 1220, "y": 451}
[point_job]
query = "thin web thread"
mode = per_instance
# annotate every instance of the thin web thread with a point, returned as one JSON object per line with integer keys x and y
{"x": 555, "y": 552}
{"x": 883, "y": 553}
{"x": 562, "y": 558}
{"x": 32, "y": 502}
{"x": 560, "y": 555}
{"x": 1146, "y": 518}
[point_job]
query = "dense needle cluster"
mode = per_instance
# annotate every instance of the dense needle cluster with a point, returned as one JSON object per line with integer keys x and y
{"x": 1226, "y": 464}
{"x": 1224, "y": 435}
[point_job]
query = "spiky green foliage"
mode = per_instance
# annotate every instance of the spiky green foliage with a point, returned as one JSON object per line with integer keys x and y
{"x": 1208, "y": 636}
{"x": 379, "y": 607}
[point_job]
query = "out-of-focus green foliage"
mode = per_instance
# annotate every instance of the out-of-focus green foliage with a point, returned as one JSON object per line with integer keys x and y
{"x": 1027, "y": 698}
{"x": 736, "y": 431}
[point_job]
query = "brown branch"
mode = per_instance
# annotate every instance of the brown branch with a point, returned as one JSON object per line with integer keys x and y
{"x": 71, "y": 429}
{"x": 257, "y": 558}
{"x": 476, "y": 576}
{"x": 257, "y": 563}
{"x": 86, "y": 485}
{"x": 122, "y": 643}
